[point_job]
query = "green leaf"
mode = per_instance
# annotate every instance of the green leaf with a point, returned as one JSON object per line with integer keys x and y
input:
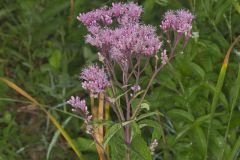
{"x": 145, "y": 106}
{"x": 85, "y": 144}
{"x": 89, "y": 55}
{"x": 185, "y": 129}
{"x": 145, "y": 115}
{"x": 135, "y": 129}
{"x": 235, "y": 150}
{"x": 198, "y": 70}
{"x": 237, "y": 7}
{"x": 118, "y": 147}
{"x": 161, "y": 2}
{"x": 139, "y": 149}
{"x": 196, "y": 123}
{"x": 110, "y": 133}
{"x": 166, "y": 81}
{"x": 179, "y": 113}
{"x": 149, "y": 123}
{"x": 200, "y": 140}
{"x": 55, "y": 59}
{"x": 157, "y": 132}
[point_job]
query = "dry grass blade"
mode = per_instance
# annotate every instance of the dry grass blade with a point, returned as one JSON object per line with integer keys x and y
{"x": 54, "y": 121}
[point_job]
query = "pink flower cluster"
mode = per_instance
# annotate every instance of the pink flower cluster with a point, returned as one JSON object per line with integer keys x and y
{"x": 164, "y": 57}
{"x": 76, "y": 103}
{"x": 80, "y": 105}
{"x": 136, "y": 88}
{"x": 94, "y": 79}
{"x": 127, "y": 39}
{"x": 138, "y": 39}
{"x": 180, "y": 21}
{"x": 133, "y": 40}
{"x": 123, "y": 13}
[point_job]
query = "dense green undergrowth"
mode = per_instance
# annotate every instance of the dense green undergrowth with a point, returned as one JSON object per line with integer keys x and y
{"x": 42, "y": 50}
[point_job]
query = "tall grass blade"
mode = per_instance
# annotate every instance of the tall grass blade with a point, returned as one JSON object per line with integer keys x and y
{"x": 235, "y": 150}
{"x": 55, "y": 138}
{"x": 54, "y": 121}
{"x": 233, "y": 104}
{"x": 218, "y": 91}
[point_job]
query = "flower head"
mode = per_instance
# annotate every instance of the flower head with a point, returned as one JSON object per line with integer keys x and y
{"x": 180, "y": 21}
{"x": 153, "y": 146}
{"x": 133, "y": 40}
{"x": 101, "y": 39}
{"x": 136, "y": 88}
{"x": 164, "y": 57}
{"x": 184, "y": 21}
{"x": 95, "y": 17}
{"x": 128, "y": 38}
{"x": 123, "y": 42}
{"x": 168, "y": 21}
{"x": 76, "y": 103}
{"x": 124, "y": 13}
{"x": 94, "y": 79}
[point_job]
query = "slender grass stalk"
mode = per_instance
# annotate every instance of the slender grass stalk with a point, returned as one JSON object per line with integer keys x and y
{"x": 235, "y": 150}
{"x": 233, "y": 104}
{"x": 55, "y": 138}
{"x": 218, "y": 91}
{"x": 52, "y": 118}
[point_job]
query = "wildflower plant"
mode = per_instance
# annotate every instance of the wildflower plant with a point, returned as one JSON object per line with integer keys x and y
{"x": 126, "y": 44}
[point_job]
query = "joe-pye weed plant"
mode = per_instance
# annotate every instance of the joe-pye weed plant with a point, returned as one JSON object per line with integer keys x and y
{"x": 125, "y": 46}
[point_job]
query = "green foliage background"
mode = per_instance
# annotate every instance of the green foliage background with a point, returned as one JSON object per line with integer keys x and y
{"x": 42, "y": 49}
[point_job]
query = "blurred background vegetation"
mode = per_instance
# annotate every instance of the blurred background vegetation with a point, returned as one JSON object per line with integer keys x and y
{"x": 42, "y": 49}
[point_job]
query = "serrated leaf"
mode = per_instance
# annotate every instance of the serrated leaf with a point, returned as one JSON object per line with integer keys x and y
{"x": 139, "y": 149}
{"x": 110, "y": 133}
{"x": 118, "y": 147}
